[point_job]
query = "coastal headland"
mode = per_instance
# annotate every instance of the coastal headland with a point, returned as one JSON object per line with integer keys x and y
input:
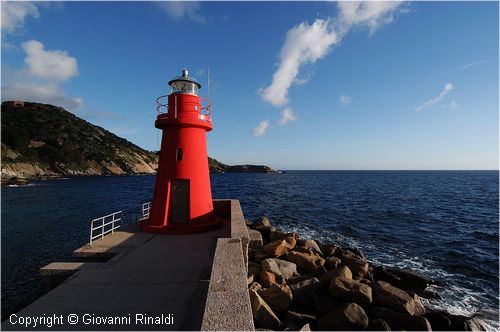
{"x": 41, "y": 141}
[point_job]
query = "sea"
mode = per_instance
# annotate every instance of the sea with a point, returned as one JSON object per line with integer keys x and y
{"x": 444, "y": 224}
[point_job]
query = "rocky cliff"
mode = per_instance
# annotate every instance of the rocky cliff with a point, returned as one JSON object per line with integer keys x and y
{"x": 40, "y": 141}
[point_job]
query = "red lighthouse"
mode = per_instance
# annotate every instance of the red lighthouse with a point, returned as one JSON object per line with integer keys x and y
{"x": 182, "y": 201}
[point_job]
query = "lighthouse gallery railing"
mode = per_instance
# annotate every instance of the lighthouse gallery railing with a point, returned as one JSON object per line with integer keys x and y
{"x": 99, "y": 227}
{"x": 204, "y": 114}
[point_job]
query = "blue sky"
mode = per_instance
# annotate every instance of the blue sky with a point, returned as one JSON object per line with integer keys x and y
{"x": 295, "y": 85}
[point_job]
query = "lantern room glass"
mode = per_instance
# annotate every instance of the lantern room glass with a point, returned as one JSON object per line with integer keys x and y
{"x": 182, "y": 86}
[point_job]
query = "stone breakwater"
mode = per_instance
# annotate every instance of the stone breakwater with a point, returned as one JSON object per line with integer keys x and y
{"x": 302, "y": 284}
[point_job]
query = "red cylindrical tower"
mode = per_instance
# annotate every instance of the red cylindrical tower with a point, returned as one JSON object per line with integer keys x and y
{"x": 182, "y": 201}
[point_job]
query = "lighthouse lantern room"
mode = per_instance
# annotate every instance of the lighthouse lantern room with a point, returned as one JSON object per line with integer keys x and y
{"x": 182, "y": 201}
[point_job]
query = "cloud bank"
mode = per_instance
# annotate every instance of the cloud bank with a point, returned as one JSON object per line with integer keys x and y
{"x": 446, "y": 89}
{"x": 14, "y": 14}
{"x": 180, "y": 10}
{"x": 307, "y": 43}
{"x": 42, "y": 77}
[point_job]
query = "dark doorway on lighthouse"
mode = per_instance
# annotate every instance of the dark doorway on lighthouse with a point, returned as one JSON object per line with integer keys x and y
{"x": 180, "y": 201}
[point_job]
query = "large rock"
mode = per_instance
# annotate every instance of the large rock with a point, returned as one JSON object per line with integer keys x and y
{"x": 278, "y": 297}
{"x": 255, "y": 239}
{"x": 400, "y": 321}
{"x": 267, "y": 278}
{"x": 253, "y": 272}
{"x": 439, "y": 321}
{"x": 304, "y": 291}
{"x": 388, "y": 296}
{"x": 403, "y": 278}
{"x": 325, "y": 303}
{"x": 300, "y": 318}
{"x": 340, "y": 272}
{"x": 279, "y": 247}
{"x": 378, "y": 325}
{"x": 306, "y": 262}
{"x": 332, "y": 262}
{"x": 347, "y": 317}
{"x": 464, "y": 323}
{"x": 262, "y": 221}
{"x": 277, "y": 235}
{"x": 310, "y": 244}
{"x": 330, "y": 250}
{"x": 263, "y": 315}
{"x": 358, "y": 266}
{"x": 279, "y": 267}
{"x": 349, "y": 290}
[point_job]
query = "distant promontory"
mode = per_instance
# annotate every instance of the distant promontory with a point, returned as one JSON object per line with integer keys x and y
{"x": 45, "y": 141}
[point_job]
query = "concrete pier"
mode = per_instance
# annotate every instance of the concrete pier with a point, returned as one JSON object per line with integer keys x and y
{"x": 137, "y": 289}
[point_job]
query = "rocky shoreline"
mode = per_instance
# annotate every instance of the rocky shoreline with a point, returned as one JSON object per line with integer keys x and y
{"x": 303, "y": 285}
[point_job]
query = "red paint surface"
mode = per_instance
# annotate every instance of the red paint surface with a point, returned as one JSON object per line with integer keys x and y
{"x": 182, "y": 128}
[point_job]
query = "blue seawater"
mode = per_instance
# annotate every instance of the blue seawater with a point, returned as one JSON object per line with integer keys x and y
{"x": 442, "y": 223}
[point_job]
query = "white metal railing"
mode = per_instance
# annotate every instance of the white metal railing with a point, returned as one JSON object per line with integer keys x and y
{"x": 107, "y": 224}
{"x": 146, "y": 207}
{"x": 110, "y": 219}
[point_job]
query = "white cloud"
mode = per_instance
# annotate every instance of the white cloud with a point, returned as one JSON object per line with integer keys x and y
{"x": 52, "y": 65}
{"x": 345, "y": 99}
{"x": 372, "y": 14}
{"x": 303, "y": 44}
{"x": 14, "y": 14}
{"x": 475, "y": 63}
{"x": 179, "y": 10}
{"x": 453, "y": 105}
{"x": 287, "y": 115}
{"x": 446, "y": 89}
{"x": 261, "y": 128}
{"x": 306, "y": 43}
{"x": 40, "y": 81}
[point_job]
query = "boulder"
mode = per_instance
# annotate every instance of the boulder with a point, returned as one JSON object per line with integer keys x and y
{"x": 306, "y": 262}
{"x": 378, "y": 325}
{"x": 296, "y": 279}
{"x": 388, "y": 296}
{"x": 279, "y": 267}
{"x": 340, "y": 272}
{"x": 253, "y": 272}
{"x": 400, "y": 321}
{"x": 263, "y": 315}
{"x": 255, "y": 239}
{"x": 429, "y": 294}
{"x": 346, "y": 317}
{"x": 300, "y": 318}
{"x": 304, "y": 250}
{"x": 278, "y": 297}
{"x": 249, "y": 223}
{"x": 277, "y": 235}
{"x": 262, "y": 221}
{"x": 332, "y": 262}
{"x": 325, "y": 303}
{"x": 259, "y": 255}
{"x": 255, "y": 286}
{"x": 304, "y": 291}
{"x": 438, "y": 321}
{"x": 267, "y": 278}
{"x": 310, "y": 244}
{"x": 279, "y": 247}
{"x": 305, "y": 328}
{"x": 318, "y": 272}
{"x": 349, "y": 290}
{"x": 403, "y": 278}
{"x": 464, "y": 323}
{"x": 330, "y": 250}
{"x": 264, "y": 231}
{"x": 358, "y": 266}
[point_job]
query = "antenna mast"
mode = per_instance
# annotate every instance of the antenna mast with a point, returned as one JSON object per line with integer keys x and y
{"x": 208, "y": 82}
